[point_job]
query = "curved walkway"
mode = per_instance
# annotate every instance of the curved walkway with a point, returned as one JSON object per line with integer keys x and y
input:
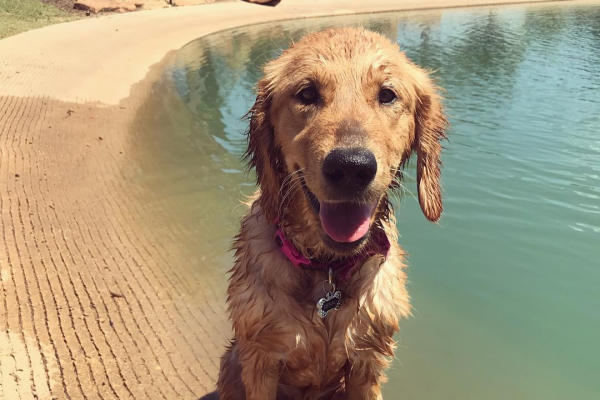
{"x": 98, "y": 293}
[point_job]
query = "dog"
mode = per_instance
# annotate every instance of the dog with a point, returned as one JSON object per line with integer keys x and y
{"x": 319, "y": 285}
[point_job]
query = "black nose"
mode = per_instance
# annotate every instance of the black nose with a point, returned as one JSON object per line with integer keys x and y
{"x": 350, "y": 169}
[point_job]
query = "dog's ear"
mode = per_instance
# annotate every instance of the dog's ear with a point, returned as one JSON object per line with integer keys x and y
{"x": 430, "y": 127}
{"x": 263, "y": 154}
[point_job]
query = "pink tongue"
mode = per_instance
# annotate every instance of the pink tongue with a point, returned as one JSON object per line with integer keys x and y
{"x": 346, "y": 222}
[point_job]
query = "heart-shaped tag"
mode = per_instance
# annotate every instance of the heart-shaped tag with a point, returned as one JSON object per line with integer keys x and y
{"x": 331, "y": 301}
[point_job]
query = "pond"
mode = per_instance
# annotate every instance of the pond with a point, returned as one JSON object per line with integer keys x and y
{"x": 506, "y": 288}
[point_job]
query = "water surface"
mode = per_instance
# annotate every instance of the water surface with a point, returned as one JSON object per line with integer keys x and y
{"x": 506, "y": 287}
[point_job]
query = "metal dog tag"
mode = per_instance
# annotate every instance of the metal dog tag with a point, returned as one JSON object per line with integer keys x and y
{"x": 331, "y": 301}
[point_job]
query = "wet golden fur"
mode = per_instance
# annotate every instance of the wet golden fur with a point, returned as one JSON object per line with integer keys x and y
{"x": 282, "y": 348}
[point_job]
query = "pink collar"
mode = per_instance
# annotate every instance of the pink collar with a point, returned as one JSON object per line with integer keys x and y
{"x": 343, "y": 268}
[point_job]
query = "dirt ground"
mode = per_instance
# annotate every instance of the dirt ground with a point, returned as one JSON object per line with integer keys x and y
{"x": 95, "y": 302}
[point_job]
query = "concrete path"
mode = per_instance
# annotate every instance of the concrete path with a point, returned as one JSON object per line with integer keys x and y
{"x": 99, "y": 294}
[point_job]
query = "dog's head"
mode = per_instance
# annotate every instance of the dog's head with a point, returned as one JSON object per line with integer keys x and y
{"x": 336, "y": 117}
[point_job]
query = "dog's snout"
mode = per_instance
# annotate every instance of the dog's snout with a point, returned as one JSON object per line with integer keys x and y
{"x": 350, "y": 169}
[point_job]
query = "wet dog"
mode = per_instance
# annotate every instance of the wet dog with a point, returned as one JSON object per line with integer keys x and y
{"x": 318, "y": 285}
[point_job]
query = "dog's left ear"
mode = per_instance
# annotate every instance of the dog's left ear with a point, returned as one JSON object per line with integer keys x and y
{"x": 263, "y": 153}
{"x": 430, "y": 127}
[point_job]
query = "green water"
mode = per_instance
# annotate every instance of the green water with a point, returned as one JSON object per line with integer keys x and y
{"x": 506, "y": 289}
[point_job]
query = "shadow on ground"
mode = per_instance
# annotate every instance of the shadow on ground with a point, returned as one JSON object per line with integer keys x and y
{"x": 210, "y": 396}
{"x": 271, "y": 3}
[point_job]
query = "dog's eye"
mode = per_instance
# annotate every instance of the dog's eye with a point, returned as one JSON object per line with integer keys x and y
{"x": 387, "y": 96}
{"x": 308, "y": 95}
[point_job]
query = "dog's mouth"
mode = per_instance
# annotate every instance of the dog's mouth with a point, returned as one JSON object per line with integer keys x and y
{"x": 345, "y": 222}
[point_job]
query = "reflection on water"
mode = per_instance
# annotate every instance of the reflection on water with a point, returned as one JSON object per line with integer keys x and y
{"x": 506, "y": 287}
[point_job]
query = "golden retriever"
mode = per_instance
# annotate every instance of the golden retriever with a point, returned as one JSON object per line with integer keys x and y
{"x": 318, "y": 285}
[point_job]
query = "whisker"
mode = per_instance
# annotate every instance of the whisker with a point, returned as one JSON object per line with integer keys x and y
{"x": 398, "y": 185}
{"x": 286, "y": 197}
{"x": 289, "y": 184}
{"x": 287, "y": 179}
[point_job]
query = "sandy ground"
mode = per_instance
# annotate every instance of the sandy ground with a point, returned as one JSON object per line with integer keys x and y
{"x": 94, "y": 303}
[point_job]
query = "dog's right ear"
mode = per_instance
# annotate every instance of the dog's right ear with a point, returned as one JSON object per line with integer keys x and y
{"x": 263, "y": 154}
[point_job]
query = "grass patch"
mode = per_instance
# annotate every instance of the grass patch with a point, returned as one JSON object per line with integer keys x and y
{"x": 21, "y": 15}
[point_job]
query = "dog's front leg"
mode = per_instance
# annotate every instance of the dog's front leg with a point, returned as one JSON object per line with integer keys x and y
{"x": 364, "y": 378}
{"x": 260, "y": 372}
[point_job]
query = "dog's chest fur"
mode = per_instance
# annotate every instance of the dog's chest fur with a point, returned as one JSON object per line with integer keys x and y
{"x": 273, "y": 307}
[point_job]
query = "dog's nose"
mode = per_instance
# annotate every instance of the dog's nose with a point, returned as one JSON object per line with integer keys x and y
{"x": 350, "y": 169}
